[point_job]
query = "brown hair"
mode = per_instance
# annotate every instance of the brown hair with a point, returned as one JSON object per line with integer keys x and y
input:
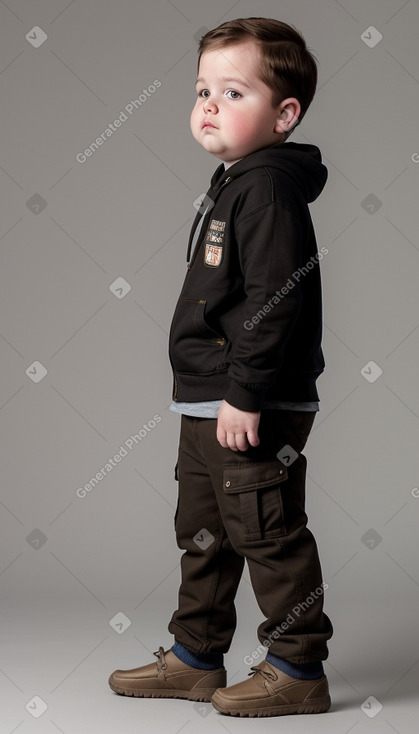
{"x": 287, "y": 66}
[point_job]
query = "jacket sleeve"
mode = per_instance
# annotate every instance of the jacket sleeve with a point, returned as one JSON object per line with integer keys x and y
{"x": 270, "y": 244}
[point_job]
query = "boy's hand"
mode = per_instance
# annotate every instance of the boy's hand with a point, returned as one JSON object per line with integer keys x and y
{"x": 233, "y": 425}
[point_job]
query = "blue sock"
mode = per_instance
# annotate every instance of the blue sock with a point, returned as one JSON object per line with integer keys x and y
{"x": 303, "y": 671}
{"x": 204, "y": 661}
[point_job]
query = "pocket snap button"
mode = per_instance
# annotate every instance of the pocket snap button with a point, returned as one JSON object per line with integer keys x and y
{"x": 228, "y": 483}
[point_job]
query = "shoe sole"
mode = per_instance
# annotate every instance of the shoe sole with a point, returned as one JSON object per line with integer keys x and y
{"x": 203, "y": 695}
{"x": 319, "y": 706}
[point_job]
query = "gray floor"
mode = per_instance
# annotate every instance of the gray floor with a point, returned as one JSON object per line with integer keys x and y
{"x": 63, "y": 652}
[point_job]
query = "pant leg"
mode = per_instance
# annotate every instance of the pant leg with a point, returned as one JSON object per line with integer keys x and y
{"x": 211, "y": 569}
{"x": 262, "y": 505}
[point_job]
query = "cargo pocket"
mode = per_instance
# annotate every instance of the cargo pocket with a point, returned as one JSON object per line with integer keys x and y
{"x": 257, "y": 485}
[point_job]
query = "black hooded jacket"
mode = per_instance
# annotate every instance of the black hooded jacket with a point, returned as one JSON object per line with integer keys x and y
{"x": 247, "y": 327}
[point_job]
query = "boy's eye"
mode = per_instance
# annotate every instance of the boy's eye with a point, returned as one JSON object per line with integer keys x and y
{"x": 205, "y": 93}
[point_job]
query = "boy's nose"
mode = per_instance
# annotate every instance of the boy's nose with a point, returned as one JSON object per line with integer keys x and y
{"x": 209, "y": 105}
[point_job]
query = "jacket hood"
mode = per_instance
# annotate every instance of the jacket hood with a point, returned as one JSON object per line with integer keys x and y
{"x": 301, "y": 161}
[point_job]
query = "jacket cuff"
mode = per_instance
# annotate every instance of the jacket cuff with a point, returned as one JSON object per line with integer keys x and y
{"x": 243, "y": 399}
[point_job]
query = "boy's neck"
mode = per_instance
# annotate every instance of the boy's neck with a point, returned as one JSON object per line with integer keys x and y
{"x": 227, "y": 164}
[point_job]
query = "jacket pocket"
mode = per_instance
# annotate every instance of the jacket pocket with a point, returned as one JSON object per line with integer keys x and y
{"x": 194, "y": 346}
{"x": 259, "y": 500}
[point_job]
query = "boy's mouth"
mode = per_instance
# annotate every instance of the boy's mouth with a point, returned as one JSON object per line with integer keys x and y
{"x": 207, "y": 123}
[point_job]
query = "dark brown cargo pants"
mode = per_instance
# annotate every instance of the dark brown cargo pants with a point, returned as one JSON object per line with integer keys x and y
{"x": 248, "y": 504}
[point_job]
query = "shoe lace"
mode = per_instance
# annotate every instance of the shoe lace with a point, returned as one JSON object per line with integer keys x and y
{"x": 264, "y": 673}
{"x": 161, "y": 660}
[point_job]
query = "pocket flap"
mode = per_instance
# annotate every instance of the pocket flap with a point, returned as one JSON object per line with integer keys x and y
{"x": 244, "y": 476}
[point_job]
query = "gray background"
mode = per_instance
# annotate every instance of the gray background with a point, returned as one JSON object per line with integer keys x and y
{"x": 69, "y": 564}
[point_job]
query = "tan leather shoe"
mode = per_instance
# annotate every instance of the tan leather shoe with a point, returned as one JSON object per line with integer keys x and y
{"x": 270, "y": 692}
{"x": 169, "y": 677}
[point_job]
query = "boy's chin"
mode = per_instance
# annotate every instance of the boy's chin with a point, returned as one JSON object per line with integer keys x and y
{"x": 212, "y": 150}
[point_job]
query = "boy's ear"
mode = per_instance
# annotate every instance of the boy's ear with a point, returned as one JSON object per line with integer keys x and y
{"x": 289, "y": 112}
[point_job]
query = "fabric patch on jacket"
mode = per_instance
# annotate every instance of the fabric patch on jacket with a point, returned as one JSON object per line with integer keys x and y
{"x": 214, "y": 243}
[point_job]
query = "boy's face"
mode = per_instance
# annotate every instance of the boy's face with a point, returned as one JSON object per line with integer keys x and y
{"x": 237, "y": 103}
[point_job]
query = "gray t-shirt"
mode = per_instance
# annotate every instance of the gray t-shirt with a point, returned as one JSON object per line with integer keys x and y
{"x": 210, "y": 408}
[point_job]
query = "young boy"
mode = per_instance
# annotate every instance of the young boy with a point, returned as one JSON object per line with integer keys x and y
{"x": 245, "y": 348}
